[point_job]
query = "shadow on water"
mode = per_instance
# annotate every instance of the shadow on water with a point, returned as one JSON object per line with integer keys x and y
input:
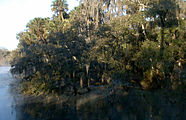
{"x": 134, "y": 105}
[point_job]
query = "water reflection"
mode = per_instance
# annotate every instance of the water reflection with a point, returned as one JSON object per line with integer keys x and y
{"x": 134, "y": 106}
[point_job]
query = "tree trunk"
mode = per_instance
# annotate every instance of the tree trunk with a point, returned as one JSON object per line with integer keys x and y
{"x": 97, "y": 17}
{"x": 162, "y": 43}
{"x": 81, "y": 82}
{"x": 162, "y": 37}
{"x": 61, "y": 15}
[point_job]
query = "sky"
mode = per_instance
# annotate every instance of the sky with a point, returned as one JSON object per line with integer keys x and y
{"x": 15, "y": 14}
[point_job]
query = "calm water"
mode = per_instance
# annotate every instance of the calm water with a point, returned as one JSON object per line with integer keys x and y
{"x": 6, "y": 99}
{"x": 134, "y": 105}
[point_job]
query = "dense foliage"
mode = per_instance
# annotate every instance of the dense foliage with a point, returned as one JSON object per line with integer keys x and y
{"x": 104, "y": 42}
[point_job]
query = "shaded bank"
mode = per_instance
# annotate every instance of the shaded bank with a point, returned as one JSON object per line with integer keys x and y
{"x": 118, "y": 105}
{"x": 103, "y": 103}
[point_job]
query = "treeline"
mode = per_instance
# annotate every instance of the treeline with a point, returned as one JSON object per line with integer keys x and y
{"x": 104, "y": 42}
{"x": 4, "y": 57}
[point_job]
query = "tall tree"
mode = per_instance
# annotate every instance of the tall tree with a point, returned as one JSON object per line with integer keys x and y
{"x": 60, "y": 7}
{"x": 164, "y": 14}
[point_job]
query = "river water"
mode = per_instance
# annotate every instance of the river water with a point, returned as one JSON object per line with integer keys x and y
{"x": 131, "y": 105}
{"x": 6, "y": 99}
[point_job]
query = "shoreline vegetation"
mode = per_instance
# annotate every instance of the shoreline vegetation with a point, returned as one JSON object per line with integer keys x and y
{"x": 77, "y": 106}
{"x": 111, "y": 94}
{"x": 4, "y": 57}
{"x": 102, "y": 49}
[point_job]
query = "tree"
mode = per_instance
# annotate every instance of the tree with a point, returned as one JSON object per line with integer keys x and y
{"x": 139, "y": 42}
{"x": 4, "y": 57}
{"x": 60, "y": 8}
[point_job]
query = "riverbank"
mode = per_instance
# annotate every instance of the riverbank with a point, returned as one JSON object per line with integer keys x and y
{"x": 103, "y": 104}
{"x": 99, "y": 92}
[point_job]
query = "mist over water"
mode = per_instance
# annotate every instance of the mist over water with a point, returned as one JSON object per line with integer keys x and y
{"x": 6, "y": 99}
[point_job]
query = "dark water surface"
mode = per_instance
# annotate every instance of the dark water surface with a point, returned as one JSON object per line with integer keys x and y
{"x": 121, "y": 105}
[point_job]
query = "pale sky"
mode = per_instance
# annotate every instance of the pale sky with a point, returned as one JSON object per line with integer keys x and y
{"x": 15, "y": 14}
